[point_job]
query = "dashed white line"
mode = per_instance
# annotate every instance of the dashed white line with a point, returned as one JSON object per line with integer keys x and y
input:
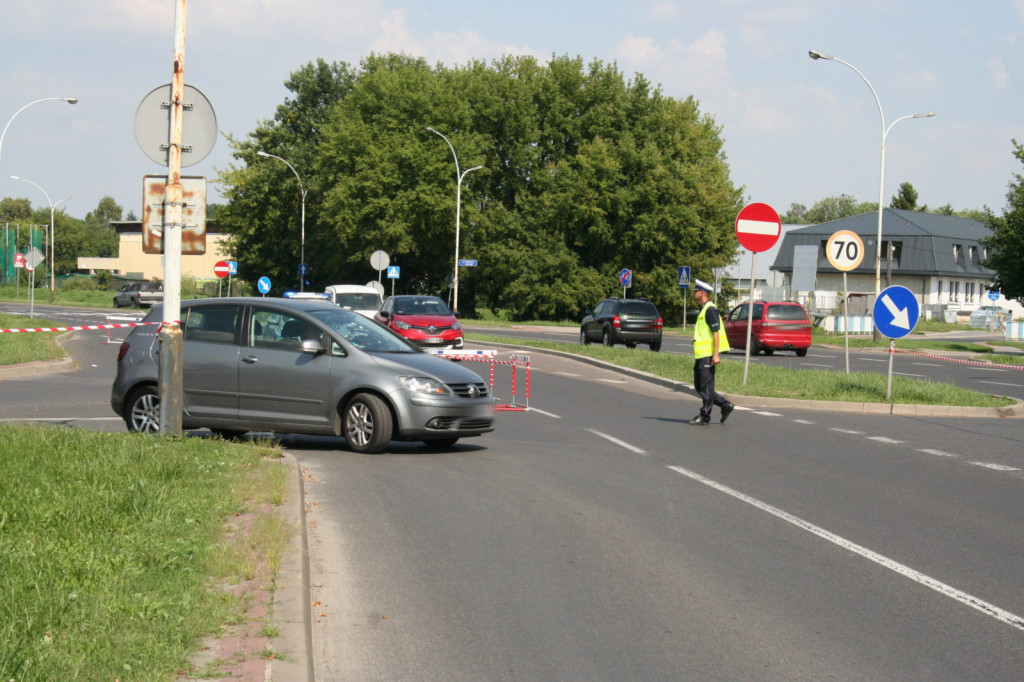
{"x": 803, "y": 421}
{"x": 939, "y": 453}
{"x": 618, "y": 442}
{"x": 848, "y": 431}
{"x": 546, "y": 414}
{"x": 1000, "y": 383}
{"x": 766, "y": 414}
{"x": 997, "y": 467}
{"x": 988, "y": 609}
{"x": 883, "y": 439}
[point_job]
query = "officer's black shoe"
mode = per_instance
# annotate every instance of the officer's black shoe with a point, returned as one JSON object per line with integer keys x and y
{"x": 699, "y": 421}
{"x": 726, "y": 411}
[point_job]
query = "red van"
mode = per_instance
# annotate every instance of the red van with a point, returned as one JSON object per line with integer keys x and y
{"x": 777, "y": 325}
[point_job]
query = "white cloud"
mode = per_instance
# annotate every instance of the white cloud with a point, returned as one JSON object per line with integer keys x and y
{"x": 997, "y": 70}
{"x": 638, "y": 50}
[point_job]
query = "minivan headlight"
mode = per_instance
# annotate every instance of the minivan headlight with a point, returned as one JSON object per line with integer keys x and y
{"x": 424, "y": 385}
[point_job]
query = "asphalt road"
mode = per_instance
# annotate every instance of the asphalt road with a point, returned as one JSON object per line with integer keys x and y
{"x": 599, "y": 537}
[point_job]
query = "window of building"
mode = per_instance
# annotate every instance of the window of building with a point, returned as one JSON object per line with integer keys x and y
{"x": 958, "y": 254}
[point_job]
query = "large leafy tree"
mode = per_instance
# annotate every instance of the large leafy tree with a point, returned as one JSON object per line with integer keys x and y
{"x": 1007, "y": 241}
{"x": 584, "y": 173}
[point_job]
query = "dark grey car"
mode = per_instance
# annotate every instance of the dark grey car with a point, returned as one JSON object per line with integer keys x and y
{"x": 301, "y": 366}
{"x": 623, "y": 320}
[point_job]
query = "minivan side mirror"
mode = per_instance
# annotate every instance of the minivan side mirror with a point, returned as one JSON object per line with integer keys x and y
{"x": 311, "y": 346}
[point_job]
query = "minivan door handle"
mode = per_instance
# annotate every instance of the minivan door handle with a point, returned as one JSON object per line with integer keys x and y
{"x": 251, "y": 359}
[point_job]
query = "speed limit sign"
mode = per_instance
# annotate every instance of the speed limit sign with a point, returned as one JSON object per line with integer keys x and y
{"x": 845, "y": 250}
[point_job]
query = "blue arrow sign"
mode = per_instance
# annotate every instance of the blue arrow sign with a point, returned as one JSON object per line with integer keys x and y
{"x": 263, "y": 284}
{"x": 684, "y": 276}
{"x": 896, "y": 312}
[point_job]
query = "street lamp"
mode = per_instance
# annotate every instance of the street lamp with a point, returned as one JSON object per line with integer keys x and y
{"x": 69, "y": 100}
{"x": 458, "y": 211}
{"x": 302, "y": 234}
{"x": 53, "y": 208}
{"x": 815, "y": 54}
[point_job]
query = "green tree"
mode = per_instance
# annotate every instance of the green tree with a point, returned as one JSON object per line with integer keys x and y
{"x": 15, "y": 210}
{"x": 1007, "y": 241}
{"x": 835, "y": 208}
{"x": 584, "y": 173}
{"x": 905, "y": 199}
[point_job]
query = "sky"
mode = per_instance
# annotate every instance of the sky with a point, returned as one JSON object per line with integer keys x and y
{"x": 795, "y": 130}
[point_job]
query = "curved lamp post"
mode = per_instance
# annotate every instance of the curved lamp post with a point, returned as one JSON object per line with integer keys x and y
{"x": 302, "y": 225}
{"x": 815, "y": 54}
{"x": 458, "y": 211}
{"x": 53, "y": 257}
{"x": 69, "y": 100}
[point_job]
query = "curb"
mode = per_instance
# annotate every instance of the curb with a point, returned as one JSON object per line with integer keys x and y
{"x": 292, "y": 614}
{"x": 895, "y": 409}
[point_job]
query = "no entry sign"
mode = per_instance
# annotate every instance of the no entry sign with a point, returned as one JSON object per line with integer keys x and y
{"x": 221, "y": 268}
{"x": 758, "y": 227}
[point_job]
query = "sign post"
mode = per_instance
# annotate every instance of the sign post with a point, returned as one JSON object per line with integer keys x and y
{"x": 895, "y": 314}
{"x": 757, "y": 228}
{"x": 684, "y": 283}
{"x": 845, "y": 251}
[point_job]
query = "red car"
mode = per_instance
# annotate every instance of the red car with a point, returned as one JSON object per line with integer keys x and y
{"x": 777, "y": 325}
{"x": 425, "y": 320}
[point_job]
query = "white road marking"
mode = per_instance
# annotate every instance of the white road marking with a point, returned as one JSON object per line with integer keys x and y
{"x": 569, "y": 374}
{"x": 614, "y": 381}
{"x": 803, "y": 421}
{"x": 618, "y": 442}
{"x": 883, "y": 439}
{"x": 766, "y": 414}
{"x": 907, "y": 374}
{"x": 939, "y": 453}
{"x": 852, "y": 433}
{"x": 997, "y": 467}
{"x": 988, "y": 609}
{"x": 546, "y": 414}
{"x": 813, "y": 364}
{"x": 999, "y": 383}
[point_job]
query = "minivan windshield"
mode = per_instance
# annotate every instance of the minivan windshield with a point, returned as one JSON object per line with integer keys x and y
{"x": 364, "y": 334}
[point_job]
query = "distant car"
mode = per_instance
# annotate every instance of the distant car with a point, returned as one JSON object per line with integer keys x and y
{"x": 365, "y": 300}
{"x": 139, "y": 294}
{"x": 628, "y": 321}
{"x": 988, "y": 317}
{"x": 777, "y": 325}
{"x": 300, "y": 366}
{"x": 425, "y": 320}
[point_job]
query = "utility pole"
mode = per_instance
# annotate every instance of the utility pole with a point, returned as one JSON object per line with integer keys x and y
{"x": 171, "y": 344}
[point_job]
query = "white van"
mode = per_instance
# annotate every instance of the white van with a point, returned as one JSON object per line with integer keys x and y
{"x": 365, "y": 300}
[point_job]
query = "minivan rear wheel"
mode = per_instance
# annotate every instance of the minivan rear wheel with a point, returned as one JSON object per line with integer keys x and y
{"x": 142, "y": 411}
{"x": 367, "y": 424}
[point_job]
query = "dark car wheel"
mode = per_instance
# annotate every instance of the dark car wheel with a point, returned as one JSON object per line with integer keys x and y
{"x": 606, "y": 337}
{"x": 142, "y": 411}
{"x": 655, "y": 345}
{"x": 801, "y": 352}
{"x": 584, "y": 341}
{"x": 367, "y": 424}
{"x": 769, "y": 351}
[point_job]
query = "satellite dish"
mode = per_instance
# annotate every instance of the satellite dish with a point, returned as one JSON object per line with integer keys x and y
{"x": 153, "y": 125}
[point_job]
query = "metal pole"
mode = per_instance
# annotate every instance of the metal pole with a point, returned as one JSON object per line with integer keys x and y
{"x": 302, "y": 220}
{"x": 750, "y": 315}
{"x": 171, "y": 343}
{"x": 846, "y": 321}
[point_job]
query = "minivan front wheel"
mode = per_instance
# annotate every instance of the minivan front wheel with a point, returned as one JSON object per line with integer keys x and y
{"x": 367, "y": 424}
{"x": 142, "y": 411}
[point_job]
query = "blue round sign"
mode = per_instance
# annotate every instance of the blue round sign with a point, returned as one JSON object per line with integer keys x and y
{"x": 896, "y": 312}
{"x": 263, "y": 284}
{"x": 993, "y": 295}
{"x": 625, "y": 277}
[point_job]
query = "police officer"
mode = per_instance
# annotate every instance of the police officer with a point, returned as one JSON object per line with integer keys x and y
{"x": 708, "y": 341}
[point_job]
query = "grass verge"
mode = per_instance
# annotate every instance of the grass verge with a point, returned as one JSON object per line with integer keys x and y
{"x": 776, "y": 382}
{"x": 17, "y": 347}
{"x": 113, "y": 557}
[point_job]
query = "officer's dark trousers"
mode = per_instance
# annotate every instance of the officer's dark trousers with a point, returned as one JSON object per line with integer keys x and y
{"x": 704, "y": 383}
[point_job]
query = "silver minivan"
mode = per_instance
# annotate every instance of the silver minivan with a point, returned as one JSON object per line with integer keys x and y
{"x": 300, "y": 366}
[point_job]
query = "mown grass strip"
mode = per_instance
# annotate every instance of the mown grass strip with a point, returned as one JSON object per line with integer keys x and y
{"x": 110, "y": 552}
{"x": 773, "y": 381}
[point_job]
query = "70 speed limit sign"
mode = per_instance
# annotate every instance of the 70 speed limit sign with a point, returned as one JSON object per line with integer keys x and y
{"x": 845, "y": 250}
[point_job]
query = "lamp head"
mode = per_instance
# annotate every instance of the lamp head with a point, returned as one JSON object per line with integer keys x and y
{"x": 260, "y": 152}
{"x": 15, "y": 177}
{"x": 71, "y": 100}
{"x": 926, "y": 115}
{"x": 816, "y": 54}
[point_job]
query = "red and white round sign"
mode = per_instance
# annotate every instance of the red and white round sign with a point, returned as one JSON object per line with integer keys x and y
{"x": 221, "y": 268}
{"x": 758, "y": 227}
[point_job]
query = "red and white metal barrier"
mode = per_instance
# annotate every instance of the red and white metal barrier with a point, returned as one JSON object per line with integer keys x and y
{"x": 516, "y": 361}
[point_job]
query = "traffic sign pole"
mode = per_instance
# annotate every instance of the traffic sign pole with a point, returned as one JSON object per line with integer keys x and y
{"x": 757, "y": 229}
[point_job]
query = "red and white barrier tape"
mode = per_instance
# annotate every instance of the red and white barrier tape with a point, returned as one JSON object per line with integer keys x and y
{"x": 962, "y": 362}
{"x": 75, "y": 329}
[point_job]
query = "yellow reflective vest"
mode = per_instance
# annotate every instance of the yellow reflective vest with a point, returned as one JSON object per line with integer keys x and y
{"x": 703, "y": 339}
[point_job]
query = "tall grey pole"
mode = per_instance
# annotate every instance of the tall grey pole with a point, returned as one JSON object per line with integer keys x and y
{"x": 171, "y": 344}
